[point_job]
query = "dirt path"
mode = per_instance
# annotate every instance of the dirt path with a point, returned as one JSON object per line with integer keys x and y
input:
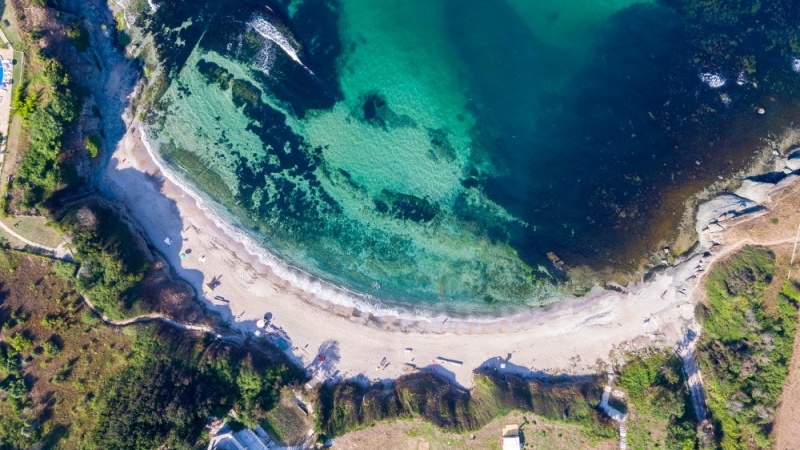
{"x": 694, "y": 379}
{"x": 786, "y": 433}
{"x": 150, "y": 318}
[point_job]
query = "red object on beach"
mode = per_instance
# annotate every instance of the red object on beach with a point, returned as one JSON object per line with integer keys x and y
{"x": 321, "y": 358}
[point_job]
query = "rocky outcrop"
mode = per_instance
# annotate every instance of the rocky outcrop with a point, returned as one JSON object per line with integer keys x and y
{"x": 751, "y": 197}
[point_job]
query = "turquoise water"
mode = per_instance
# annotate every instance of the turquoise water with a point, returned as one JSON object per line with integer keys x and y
{"x": 440, "y": 153}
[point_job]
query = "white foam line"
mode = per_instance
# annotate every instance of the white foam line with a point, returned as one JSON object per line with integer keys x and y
{"x": 296, "y": 277}
{"x": 269, "y": 32}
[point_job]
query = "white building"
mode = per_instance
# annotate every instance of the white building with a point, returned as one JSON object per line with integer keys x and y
{"x": 245, "y": 439}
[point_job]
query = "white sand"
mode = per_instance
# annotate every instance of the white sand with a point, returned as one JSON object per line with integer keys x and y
{"x": 568, "y": 338}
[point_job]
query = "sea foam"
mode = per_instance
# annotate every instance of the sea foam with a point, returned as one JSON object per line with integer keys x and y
{"x": 269, "y": 32}
{"x": 298, "y": 278}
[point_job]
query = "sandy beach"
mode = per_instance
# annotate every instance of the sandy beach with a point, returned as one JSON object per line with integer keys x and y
{"x": 570, "y": 337}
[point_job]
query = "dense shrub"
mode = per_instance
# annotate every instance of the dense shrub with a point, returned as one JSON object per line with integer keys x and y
{"x": 40, "y": 172}
{"x": 175, "y": 383}
{"x": 79, "y": 35}
{"x": 350, "y": 405}
{"x": 111, "y": 262}
{"x": 658, "y": 400}
{"x": 22, "y": 104}
{"x": 745, "y": 349}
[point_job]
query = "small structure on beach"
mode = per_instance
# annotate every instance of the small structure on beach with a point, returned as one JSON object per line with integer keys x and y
{"x": 214, "y": 283}
{"x": 511, "y": 439}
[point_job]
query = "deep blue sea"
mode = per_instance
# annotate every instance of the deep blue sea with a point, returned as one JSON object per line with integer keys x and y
{"x": 463, "y": 154}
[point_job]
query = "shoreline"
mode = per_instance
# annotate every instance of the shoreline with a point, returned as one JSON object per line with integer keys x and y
{"x": 569, "y": 336}
{"x": 326, "y": 294}
{"x": 321, "y": 290}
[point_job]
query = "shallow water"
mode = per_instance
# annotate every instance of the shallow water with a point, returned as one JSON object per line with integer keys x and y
{"x": 442, "y": 152}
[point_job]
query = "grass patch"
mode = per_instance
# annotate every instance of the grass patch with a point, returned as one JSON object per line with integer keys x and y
{"x": 287, "y": 424}
{"x": 35, "y": 229}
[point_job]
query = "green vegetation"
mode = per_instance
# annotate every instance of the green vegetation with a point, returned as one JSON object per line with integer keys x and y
{"x": 79, "y": 35}
{"x": 64, "y": 269}
{"x": 111, "y": 262}
{"x": 746, "y": 347}
{"x": 41, "y": 170}
{"x": 93, "y": 144}
{"x": 245, "y": 94}
{"x": 68, "y": 380}
{"x": 349, "y": 405}
{"x": 150, "y": 387}
{"x": 15, "y": 427}
{"x": 23, "y": 104}
{"x": 175, "y": 382}
{"x": 659, "y": 404}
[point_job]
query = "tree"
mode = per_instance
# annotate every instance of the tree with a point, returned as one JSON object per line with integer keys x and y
{"x": 54, "y": 73}
{"x": 93, "y": 144}
{"x": 23, "y": 105}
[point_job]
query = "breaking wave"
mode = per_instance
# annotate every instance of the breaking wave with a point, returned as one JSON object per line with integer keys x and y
{"x": 269, "y": 32}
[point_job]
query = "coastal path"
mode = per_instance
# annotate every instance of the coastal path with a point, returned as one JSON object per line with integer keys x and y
{"x": 612, "y": 412}
{"x": 60, "y": 252}
{"x": 150, "y": 318}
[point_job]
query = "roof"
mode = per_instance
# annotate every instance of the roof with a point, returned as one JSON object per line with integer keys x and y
{"x": 511, "y": 437}
{"x": 511, "y": 431}
{"x": 245, "y": 439}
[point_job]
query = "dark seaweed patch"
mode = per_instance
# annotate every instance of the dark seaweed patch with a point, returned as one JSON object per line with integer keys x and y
{"x": 215, "y": 74}
{"x": 177, "y": 27}
{"x": 440, "y": 144}
{"x": 245, "y": 94}
{"x": 375, "y": 111}
{"x": 406, "y": 207}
